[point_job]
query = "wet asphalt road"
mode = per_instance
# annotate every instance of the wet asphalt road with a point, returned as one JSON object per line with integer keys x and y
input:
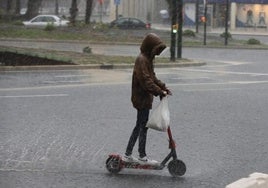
{"x": 57, "y": 127}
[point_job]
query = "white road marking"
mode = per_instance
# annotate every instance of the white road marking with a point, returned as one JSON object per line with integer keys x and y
{"x": 251, "y": 82}
{"x": 125, "y": 83}
{"x": 33, "y": 96}
{"x": 192, "y": 78}
{"x": 62, "y": 82}
{"x": 65, "y": 86}
{"x": 224, "y": 72}
{"x": 210, "y": 89}
{"x": 222, "y": 83}
{"x": 71, "y": 76}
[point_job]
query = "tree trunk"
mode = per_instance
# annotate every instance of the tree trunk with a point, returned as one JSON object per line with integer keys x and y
{"x": 56, "y": 7}
{"x": 88, "y": 11}
{"x": 169, "y": 5}
{"x": 33, "y": 8}
{"x": 18, "y": 6}
{"x": 73, "y": 12}
{"x": 9, "y": 6}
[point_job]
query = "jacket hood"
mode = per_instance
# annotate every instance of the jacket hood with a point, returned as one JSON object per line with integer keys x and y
{"x": 152, "y": 45}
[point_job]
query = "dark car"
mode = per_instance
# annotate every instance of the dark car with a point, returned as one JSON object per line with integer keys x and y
{"x": 129, "y": 23}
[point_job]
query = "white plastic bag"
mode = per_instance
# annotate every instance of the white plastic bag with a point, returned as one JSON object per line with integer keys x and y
{"x": 160, "y": 117}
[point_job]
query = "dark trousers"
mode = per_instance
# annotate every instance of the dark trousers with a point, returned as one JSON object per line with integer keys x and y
{"x": 139, "y": 131}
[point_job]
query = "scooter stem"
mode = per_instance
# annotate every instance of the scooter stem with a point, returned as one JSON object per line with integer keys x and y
{"x": 172, "y": 144}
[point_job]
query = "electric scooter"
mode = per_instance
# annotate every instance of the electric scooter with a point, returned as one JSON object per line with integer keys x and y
{"x": 176, "y": 167}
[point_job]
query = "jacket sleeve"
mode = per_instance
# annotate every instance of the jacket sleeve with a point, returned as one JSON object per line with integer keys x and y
{"x": 159, "y": 82}
{"x": 146, "y": 81}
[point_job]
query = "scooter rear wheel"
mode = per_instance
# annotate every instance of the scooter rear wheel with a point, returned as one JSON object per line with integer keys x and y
{"x": 176, "y": 168}
{"x": 113, "y": 165}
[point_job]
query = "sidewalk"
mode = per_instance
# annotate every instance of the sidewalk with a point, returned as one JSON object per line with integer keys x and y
{"x": 237, "y": 31}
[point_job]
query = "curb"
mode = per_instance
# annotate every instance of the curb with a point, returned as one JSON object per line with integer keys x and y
{"x": 94, "y": 66}
{"x": 125, "y": 43}
{"x": 69, "y": 41}
{"x": 255, "y": 180}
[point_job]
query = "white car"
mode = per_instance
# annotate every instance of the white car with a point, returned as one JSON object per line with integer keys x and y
{"x": 44, "y": 20}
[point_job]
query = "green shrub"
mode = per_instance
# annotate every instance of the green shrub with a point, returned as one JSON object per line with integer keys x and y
{"x": 223, "y": 35}
{"x": 253, "y": 41}
{"x": 87, "y": 50}
{"x": 18, "y": 22}
{"x": 101, "y": 27}
{"x": 188, "y": 33}
{"x": 50, "y": 27}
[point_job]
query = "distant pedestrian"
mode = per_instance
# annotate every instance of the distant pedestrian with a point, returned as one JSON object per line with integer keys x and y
{"x": 262, "y": 18}
{"x": 249, "y": 17}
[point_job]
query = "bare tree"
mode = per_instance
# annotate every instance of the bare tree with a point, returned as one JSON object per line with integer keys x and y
{"x": 13, "y": 7}
{"x": 56, "y": 7}
{"x": 73, "y": 12}
{"x": 18, "y": 6}
{"x": 9, "y": 6}
{"x": 33, "y": 8}
{"x": 169, "y": 4}
{"x": 88, "y": 11}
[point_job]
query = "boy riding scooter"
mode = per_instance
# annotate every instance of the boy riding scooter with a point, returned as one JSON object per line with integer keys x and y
{"x": 145, "y": 85}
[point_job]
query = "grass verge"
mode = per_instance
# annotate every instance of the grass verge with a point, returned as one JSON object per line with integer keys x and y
{"x": 81, "y": 58}
{"x": 102, "y": 33}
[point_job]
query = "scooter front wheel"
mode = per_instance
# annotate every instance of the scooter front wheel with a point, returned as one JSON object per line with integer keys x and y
{"x": 176, "y": 168}
{"x": 113, "y": 165}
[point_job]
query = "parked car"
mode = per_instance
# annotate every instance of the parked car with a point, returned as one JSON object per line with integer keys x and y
{"x": 129, "y": 23}
{"x": 44, "y": 20}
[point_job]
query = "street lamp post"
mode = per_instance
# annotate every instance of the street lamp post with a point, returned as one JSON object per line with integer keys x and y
{"x": 205, "y": 22}
{"x": 116, "y": 2}
{"x": 180, "y": 22}
{"x": 101, "y": 9}
{"x": 173, "y": 31}
{"x": 226, "y": 22}
{"x": 197, "y": 16}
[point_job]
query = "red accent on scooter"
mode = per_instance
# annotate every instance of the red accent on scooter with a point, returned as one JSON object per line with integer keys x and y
{"x": 176, "y": 167}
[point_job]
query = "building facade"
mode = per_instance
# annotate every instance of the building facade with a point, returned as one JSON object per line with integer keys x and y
{"x": 242, "y": 13}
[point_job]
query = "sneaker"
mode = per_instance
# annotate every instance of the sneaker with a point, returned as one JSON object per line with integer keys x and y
{"x": 129, "y": 158}
{"x": 147, "y": 160}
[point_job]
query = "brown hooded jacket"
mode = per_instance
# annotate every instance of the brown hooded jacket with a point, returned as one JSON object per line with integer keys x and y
{"x": 144, "y": 82}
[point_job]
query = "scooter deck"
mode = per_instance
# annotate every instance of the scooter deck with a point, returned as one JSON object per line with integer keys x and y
{"x": 142, "y": 165}
{"x": 137, "y": 164}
